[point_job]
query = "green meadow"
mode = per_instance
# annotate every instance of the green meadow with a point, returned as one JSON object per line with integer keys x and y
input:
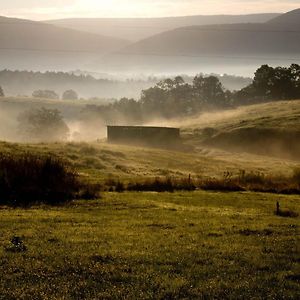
{"x": 192, "y": 245}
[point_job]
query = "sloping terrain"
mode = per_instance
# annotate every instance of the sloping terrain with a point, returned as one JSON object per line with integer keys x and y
{"x": 135, "y": 29}
{"x": 33, "y": 45}
{"x": 271, "y": 129}
{"x": 258, "y": 138}
{"x": 289, "y": 20}
{"x": 229, "y": 48}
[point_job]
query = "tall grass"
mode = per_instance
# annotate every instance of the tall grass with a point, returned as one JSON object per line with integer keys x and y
{"x": 243, "y": 181}
{"x": 28, "y": 179}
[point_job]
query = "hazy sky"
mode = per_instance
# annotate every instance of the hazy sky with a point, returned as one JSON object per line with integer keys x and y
{"x": 50, "y": 9}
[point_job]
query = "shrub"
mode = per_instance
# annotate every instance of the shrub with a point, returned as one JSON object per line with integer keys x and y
{"x": 166, "y": 184}
{"x": 29, "y": 179}
{"x": 119, "y": 187}
{"x": 70, "y": 95}
{"x": 220, "y": 185}
{"x": 43, "y": 125}
{"x": 47, "y": 94}
{"x": 89, "y": 191}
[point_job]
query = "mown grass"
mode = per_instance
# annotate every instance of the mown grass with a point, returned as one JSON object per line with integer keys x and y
{"x": 192, "y": 245}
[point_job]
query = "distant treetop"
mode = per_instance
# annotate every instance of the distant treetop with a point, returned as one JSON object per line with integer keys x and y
{"x": 70, "y": 95}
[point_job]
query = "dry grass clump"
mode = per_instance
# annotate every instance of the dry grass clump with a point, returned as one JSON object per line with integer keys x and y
{"x": 257, "y": 182}
{"x": 162, "y": 184}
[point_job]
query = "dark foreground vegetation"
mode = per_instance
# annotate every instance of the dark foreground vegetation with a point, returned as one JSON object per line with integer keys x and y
{"x": 257, "y": 182}
{"x": 182, "y": 245}
{"x": 29, "y": 179}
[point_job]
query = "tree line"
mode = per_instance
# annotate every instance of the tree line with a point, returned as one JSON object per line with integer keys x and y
{"x": 172, "y": 98}
{"x": 169, "y": 98}
{"x": 24, "y": 82}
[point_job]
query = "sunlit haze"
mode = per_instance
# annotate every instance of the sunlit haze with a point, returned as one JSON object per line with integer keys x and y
{"x": 39, "y": 10}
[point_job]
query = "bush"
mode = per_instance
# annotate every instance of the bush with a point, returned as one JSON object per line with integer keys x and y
{"x": 47, "y": 94}
{"x": 70, "y": 95}
{"x": 162, "y": 185}
{"x": 220, "y": 185}
{"x": 43, "y": 125}
{"x": 29, "y": 179}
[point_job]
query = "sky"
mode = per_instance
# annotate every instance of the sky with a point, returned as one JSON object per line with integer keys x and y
{"x": 55, "y": 9}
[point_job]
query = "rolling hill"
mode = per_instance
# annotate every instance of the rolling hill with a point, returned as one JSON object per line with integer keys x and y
{"x": 289, "y": 20}
{"x": 270, "y": 129}
{"x": 34, "y": 45}
{"x": 230, "y": 48}
{"x": 135, "y": 29}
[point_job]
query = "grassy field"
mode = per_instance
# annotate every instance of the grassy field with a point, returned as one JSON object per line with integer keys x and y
{"x": 280, "y": 115}
{"x": 198, "y": 245}
{"x": 192, "y": 245}
{"x": 100, "y": 161}
{"x": 271, "y": 129}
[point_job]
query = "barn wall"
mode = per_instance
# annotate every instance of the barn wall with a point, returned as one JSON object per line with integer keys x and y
{"x": 155, "y": 136}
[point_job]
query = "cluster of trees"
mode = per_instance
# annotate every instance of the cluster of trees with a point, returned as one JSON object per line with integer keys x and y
{"x": 171, "y": 98}
{"x": 270, "y": 84}
{"x": 48, "y": 94}
{"x": 88, "y": 86}
{"x": 167, "y": 99}
{"x": 24, "y": 82}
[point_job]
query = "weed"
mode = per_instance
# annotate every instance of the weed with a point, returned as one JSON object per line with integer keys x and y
{"x": 16, "y": 245}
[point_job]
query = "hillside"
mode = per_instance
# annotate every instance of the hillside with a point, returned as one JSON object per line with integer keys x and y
{"x": 135, "y": 29}
{"x": 229, "y": 48}
{"x": 34, "y": 45}
{"x": 257, "y": 138}
{"x": 289, "y": 20}
{"x": 271, "y": 129}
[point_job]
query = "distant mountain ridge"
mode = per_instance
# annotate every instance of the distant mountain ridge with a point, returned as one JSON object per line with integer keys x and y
{"x": 135, "y": 29}
{"x": 290, "y": 19}
{"x": 233, "y": 48}
{"x": 30, "y": 45}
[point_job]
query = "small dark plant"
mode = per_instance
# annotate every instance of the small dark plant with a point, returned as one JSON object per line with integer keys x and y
{"x": 119, "y": 187}
{"x": 16, "y": 245}
{"x": 285, "y": 213}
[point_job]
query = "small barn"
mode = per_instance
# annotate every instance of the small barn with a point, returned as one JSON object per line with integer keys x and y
{"x": 144, "y": 135}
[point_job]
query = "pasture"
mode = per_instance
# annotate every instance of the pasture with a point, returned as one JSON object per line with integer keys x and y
{"x": 153, "y": 246}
